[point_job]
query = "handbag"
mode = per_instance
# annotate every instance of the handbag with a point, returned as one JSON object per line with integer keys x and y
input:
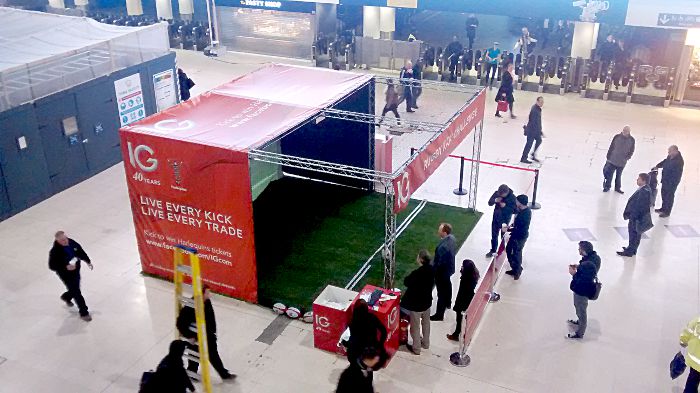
{"x": 677, "y": 366}
{"x": 598, "y": 288}
{"x": 147, "y": 381}
{"x": 502, "y": 106}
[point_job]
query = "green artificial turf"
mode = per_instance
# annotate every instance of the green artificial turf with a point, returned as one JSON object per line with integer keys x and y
{"x": 310, "y": 234}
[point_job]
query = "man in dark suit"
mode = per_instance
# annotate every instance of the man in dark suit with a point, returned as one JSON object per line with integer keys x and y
{"x": 638, "y": 214}
{"x": 64, "y": 259}
{"x": 672, "y": 170}
{"x": 533, "y": 132}
{"x": 519, "y": 232}
{"x": 406, "y": 76}
{"x": 503, "y": 202}
{"x": 444, "y": 265}
{"x": 187, "y": 320}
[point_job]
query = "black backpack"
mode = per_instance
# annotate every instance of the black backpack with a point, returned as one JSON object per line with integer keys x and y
{"x": 148, "y": 382}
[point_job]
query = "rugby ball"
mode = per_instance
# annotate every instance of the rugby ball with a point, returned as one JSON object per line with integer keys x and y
{"x": 293, "y": 312}
{"x": 279, "y": 308}
{"x": 308, "y": 317}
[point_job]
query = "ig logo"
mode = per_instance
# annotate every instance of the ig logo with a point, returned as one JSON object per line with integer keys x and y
{"x": 149, "y": 165}
{"x": 322, "y": 321}
{"x": 403, "y": 189}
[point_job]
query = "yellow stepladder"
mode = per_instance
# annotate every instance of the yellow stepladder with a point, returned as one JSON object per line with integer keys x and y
{"x": 193, "y": 271}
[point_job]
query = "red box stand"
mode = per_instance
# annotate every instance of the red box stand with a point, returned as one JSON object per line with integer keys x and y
{"x": 332, "y": 313}
{"x": 388, "y": 312}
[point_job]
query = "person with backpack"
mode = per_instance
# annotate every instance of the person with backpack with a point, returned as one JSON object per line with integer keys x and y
{"x": 185, "y": 84}
{"x": 465, "y": 294}
{"x": 583, "y": 285}
{"x": 170, "y": 376}
{"x": 690, "y": 339}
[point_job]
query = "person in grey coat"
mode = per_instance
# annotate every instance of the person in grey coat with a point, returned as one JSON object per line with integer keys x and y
{"x": 444, "y": 265}
{"x": 620, "y": 151}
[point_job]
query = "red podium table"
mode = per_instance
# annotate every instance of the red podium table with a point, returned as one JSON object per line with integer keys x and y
{"x": 332, "y": 313}
{"x": 388, "y": 313}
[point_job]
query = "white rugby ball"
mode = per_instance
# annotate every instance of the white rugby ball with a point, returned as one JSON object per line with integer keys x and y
{"x": 293, "y": 312}
{"x": 308, "y": 317}
{"x": 279, "y": 308}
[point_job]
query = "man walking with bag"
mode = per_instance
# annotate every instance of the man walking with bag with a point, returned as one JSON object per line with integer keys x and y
{"x": 672, "y": 170}
{"x": 620, "y": 151}
{"x": 533, "y": 132}
{"x": 638, "y": 214}
{"x": 583, "y": 285}
{"x": 65, "y": 258}
{"x": 444, "y": 265}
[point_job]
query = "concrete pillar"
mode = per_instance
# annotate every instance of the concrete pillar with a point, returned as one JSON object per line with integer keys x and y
{"x": 57, "y": 3}
{"x": 584, "y": 40}
{"x": 164, "y": 9}
{"x": 387, "y": 22}
{"x": 370, "y": 22}
{"x": 186, "y": 8}
{"x": 134, "y": 7}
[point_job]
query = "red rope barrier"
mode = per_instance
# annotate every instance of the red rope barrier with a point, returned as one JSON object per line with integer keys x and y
{"x": 495, "y": 164}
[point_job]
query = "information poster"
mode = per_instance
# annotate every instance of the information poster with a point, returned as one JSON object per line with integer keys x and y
{"x": 130, "y": 99}
{"x": 164, "y": 87}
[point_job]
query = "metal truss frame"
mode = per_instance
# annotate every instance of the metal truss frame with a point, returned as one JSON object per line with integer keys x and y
{"x": 474, "y": 170}
{"x": 374, "y": 176}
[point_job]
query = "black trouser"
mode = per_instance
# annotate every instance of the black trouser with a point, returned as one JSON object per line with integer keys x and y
{"x": 214, "y": 358}
{"x": 416, "y": 92}
{"x": 390, "y": 108}
{"x": 495, "y": 234}
{"x": 444, "y": 293}
{"x": 693, "y": 381}
{"x": 72, "y": 283}
{"x": 514, "y": 252}
{"x": 634, "y": 235}
{"x": 458, "y": 329}
{"x": 470, "y": 37}
{"x": 528, "y": 146}
{"x": 408, "y": 96}
{"x": 608, "y": 171}
{"x": 668, "y": 194}
{"x": 491, "y": 69}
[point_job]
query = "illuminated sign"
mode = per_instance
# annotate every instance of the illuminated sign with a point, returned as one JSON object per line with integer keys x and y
{"x": 262, "y": 3}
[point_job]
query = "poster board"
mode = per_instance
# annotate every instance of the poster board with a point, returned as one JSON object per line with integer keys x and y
{"x": 164, "y": 88}
{"x": 130, "y": 99}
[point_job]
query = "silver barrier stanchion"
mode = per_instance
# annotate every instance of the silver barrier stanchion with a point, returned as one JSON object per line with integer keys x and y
{"x": 630, "y": 85}
{"x": 459, "y": 69}
{"x": 347, "y": 57}
{"x": 460, "y": 358}
{"x": 669, "y": 88}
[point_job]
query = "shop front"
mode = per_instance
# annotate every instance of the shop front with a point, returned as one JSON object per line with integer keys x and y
{"x": 273, "y": 27}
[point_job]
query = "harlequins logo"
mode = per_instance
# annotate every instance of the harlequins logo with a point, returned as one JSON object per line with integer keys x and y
{"x": 177, "y": 168}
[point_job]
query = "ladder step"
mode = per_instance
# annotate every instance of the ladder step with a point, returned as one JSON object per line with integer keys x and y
{"x": 194, "y": 375}
{"x": 192, "y": 358}
{"x": 187, "y": 301}
{"x": 185, "y": 269}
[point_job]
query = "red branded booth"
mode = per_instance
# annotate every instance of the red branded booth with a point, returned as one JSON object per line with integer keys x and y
{"x": 191, "y": 180}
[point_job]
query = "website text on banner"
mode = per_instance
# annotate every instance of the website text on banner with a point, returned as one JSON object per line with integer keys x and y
{"x": 197, "y": 196}
{"x": 428, "y": 160}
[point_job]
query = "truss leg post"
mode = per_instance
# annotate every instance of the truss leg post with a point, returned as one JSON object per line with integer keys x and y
{"x": 389, "y": 253}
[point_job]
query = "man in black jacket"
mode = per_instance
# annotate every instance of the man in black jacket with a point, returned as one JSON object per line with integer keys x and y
{"x": 638, "y": 212}
{"x": 406, "y": 80}
{"x": 453, "y": 51}
{"x": 503, "y": 202}
{"x": 64, "y": 259}
{"x": 186, "y": 320}
{"x": 583, "y": 286}
{"x": 444, "y": 265}
{"x": 417, "y": 300}
{"x": 533, "y": 132}
{"x": 672, "y": 168}
{"x": 519, "y": 233}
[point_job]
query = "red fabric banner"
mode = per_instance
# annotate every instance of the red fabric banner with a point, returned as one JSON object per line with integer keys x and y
{"x": 198, "y": 196}
{"x": 428, "y": 160}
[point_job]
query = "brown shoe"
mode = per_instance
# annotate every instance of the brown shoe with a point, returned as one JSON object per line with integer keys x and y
{"x": 453, "y": 337}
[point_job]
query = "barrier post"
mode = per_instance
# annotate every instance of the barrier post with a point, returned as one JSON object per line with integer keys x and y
{"x": 534, "y": 205}
{"x": 460, "y": 190}
{"x": 461, "y": 359}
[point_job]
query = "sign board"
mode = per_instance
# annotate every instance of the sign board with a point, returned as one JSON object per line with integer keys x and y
{"x": 678, "y": 20}
{"x": 402, "y": 3}
{"x": 437, "y": 151}
{"x": 130, "y": 99}
{"x": 164, "y": 88}
{"x": 276, "y": 5}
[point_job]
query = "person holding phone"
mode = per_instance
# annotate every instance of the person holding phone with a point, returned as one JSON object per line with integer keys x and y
{"x": 65, "y": 259}
{"x": 583, "y": 286}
